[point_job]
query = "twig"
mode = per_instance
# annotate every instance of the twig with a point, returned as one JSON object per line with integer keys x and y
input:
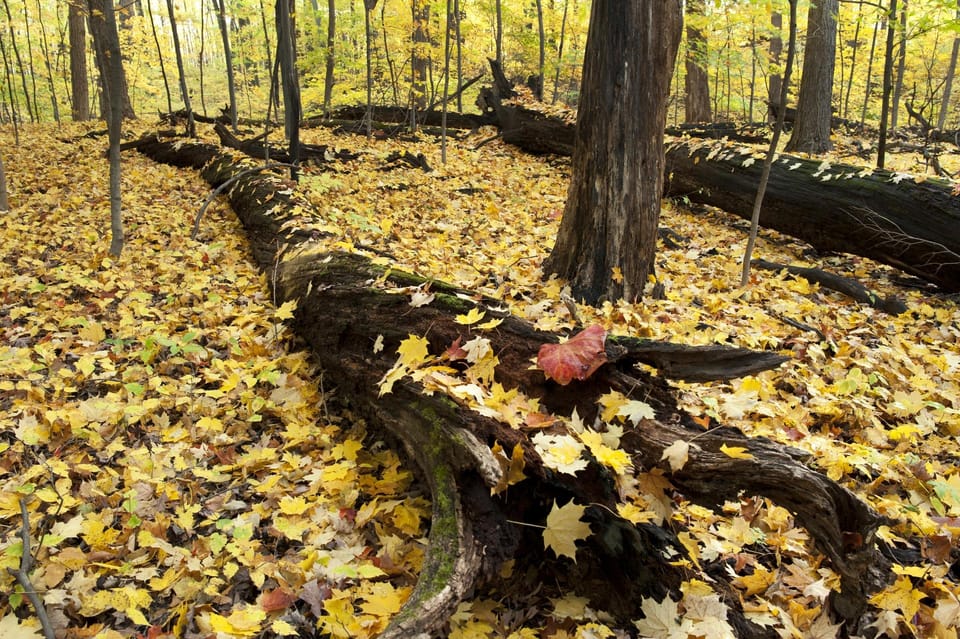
{"x": 223, "y": 187}
{"x": 23, "y": 574}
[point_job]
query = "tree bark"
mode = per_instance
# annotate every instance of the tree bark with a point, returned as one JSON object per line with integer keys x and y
{"x": 228, "y": 60}
{"x": 696, "y": 84}
{"x": 811, "y": 131}
{"x": 347, "y": 303}
{"x": 618, "y": 151}
{"x": 184, "y": 92}
{"x": 419, "y": 56}
{"x": 80, "y": 102}
{"x": 101, "y": 40}
{"x": 776, "y": 48}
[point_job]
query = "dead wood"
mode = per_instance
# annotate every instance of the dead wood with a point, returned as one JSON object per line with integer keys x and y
{"x": 849, "y": 287}
{"x": 347, "y": 303}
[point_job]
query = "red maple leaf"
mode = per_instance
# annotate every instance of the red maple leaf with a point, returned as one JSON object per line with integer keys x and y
{"x": 577, "y": 358}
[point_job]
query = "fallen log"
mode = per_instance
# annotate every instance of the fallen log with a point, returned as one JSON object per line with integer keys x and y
{"x": 910, "y": 223}
{"x": 347, "y": 304}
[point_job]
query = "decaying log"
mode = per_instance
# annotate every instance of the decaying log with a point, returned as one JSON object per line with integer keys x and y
{"x": 913, "y": 225}
{"x": 257, "y": 148}
{"x": 845, "y": 285}
{"x": 347, "y": 303}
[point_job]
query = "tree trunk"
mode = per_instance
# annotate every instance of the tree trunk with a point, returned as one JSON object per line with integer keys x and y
{"x": 346, "y": 303}
{"x": 541, "y": 39}
{"x": 23, "y": 71}
{"x": 948, "y": 82}
{"x": 101, "y": 42}
{"x": 563, "y": 36}
{"x": 776, "y": 48}
{"x": 868, "y": 88}
{"x": 109, "y": 60}
{"x": 618, "y": 151}
{"x": 499, "y": 33}
{"x": 287, "y": 54}
{"x": 228, "y": 60}
{"x": 184, "y": 92}
{"x": 419, "y": 56}
{"x": 901, "y": 66}
{"x": 887, "y": 85}
{"x": 328, "y": 78}
{"x": 163, "y": 66}
{"x": 853, "y": 61}
{"x": 4, "y": 201}
{"x": 80, "y": 98}
{"x": 811, "y": 131}
{"x": 45, "y": 49}
{"x": 697, "y": 84}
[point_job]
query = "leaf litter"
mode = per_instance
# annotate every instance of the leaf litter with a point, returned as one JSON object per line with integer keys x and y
{"x": 178, "y": 461}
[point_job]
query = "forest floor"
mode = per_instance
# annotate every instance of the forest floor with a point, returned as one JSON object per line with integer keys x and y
{"x": 184, "y": 472}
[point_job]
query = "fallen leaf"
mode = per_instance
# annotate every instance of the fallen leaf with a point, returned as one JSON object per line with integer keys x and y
{"x": 564, "y": 528}
{"x": 577, "y": 358}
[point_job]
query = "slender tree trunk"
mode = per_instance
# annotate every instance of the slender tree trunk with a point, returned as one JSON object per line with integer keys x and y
{"x": 853, "y": 61}
{"x": 101, "y": 37}
{"x": 419, "y": 58}
{"x": 201, "y": 58}
{"x": 4, "y": 201}
{"x": 80, "y": 93}
{"x": 163, "y": 66}
{"x": 16, "y": 54}
{"x": 753, "y": 68}
{"x": 887, "y": 84}
{"x": 948, "y": 82}
{"x": 543, "y": 51}
{"x": 329, "y": 78}
{"x": 184, "y": 92}
{"x": 446, "y": 81}
{"x": 772, "y": 149}
{"x": 45, "y": 49}
{"x": 868, "y": 89}
{"x": 901, "y": 65}
{"x": 33, "y": 73}
{"x": 607, "y": 237}
{"x": 499, "y": 35}
{"x": 459, "y": 41}
{"x": 776, "y": 48}
{"x": 811, "y": 131}
{"x": 697, "y": 84}
{"x": 228, "y": 60}
{"x": 394, "y": 80}
{"x": 271, "y": 66}
{"x": 368, "y": 6}
{"x": 14, "y": 103}
{"x": 563, "y": 35}
{"x": 287, "y": 55}
{"x": 107, "y": 47}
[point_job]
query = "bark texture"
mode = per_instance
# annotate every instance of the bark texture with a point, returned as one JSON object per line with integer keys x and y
{"x": 346, "y": 302}
{"x": 696, "y": 83}
{"x": 607, "y": 238}
{"x": 80, "y": 91}
{"x": 811, "y": 131}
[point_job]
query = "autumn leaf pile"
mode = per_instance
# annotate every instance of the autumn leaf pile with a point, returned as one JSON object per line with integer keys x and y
{"x": 184, "y": 476}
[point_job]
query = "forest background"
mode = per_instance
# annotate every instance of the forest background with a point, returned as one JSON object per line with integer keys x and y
{"x": 534, "y": 39}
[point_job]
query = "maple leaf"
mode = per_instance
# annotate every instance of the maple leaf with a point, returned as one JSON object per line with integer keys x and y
{"x": 11, "y": 628}
{"x": 561, "y": 453}
{"x": 662, "y": 620}
{"x": 472, "y": 317}
{"x": 577, "y": 358}
{"x": 676, "y": 454}
{"x": 564, "y": 528}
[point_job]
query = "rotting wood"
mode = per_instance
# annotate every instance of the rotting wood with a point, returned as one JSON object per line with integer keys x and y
{"x": 834, "y": 282}
{"x": 346, "y": 304}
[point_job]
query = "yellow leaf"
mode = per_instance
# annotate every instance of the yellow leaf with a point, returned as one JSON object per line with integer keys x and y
{"x": 244, "y": 622}
{"x": 12, "y": 628}
{"x": 486, "y": 326}
{"x": 564, "y": 528}
{"x": 616, "y": 275}
{"x": 900, "y": 596}
{"x": 413, "y": 352}
{"x": 474, "y": 316}
{"x": 284, "y": 628}
{"x": 735, "y": 452}
{"x": 294, "y": 505}
{"x": 384, "y": 601}
{"x": 615, "y": 459}
{"x": 286, "y": 310}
